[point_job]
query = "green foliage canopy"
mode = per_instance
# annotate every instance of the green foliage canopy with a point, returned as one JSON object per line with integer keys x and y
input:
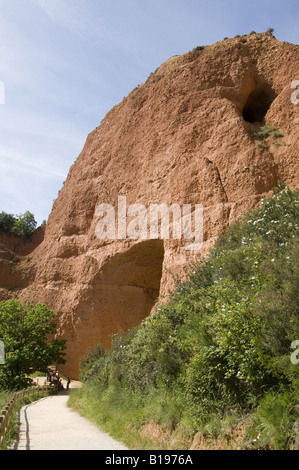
{"x": 27, "y": 333}
{"x": 7, "y": 222}
{"x": 23, "y": 224}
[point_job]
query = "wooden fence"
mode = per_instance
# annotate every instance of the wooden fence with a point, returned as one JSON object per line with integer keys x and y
{"x": 18, "y": 396}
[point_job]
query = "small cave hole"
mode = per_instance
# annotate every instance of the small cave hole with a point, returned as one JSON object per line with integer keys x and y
{"x": 257, "y": 105}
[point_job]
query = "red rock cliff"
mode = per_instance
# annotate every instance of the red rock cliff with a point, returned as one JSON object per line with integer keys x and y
{"x": 184, "y": 137}
{"x": 21, "y": 245}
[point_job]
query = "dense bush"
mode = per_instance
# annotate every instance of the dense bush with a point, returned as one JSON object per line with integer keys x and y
{"x": 27, "y": 333}
{"x": 7, "y": 222}
{"x": 222, "y": 343}
{"x": 23, "y": 224}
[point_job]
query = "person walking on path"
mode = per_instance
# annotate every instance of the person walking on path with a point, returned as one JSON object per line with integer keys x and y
{"x": 68, "y": 381}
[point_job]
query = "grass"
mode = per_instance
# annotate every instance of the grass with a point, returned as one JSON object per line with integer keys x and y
{"x": 268, "y": 131}
{"x": 14, "y": 424}
{"x": 154, "y": 422}
{"x": 5, "y": 397}
{"x": 132, "y": 418}
{"x": 114, "y": 412}
{"x": 266, "y": 135}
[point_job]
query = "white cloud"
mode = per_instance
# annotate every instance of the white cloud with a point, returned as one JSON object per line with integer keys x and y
{"x": 69, "y": 13}
{"x": 84, "y": 19}
{"x": 13, "y": 161}
{"x": 27, "y": 183}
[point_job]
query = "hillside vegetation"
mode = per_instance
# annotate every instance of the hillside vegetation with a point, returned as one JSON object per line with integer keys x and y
{"x": 217, "y": 362}
{"x": 22, "y": 225}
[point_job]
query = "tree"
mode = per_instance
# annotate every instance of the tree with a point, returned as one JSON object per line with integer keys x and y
{"x": 28, "y": 337}
{"x": 7, "y": 222}
{"x": 25, "y": 224}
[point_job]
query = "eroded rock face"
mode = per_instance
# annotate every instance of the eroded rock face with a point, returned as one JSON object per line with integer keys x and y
{"x": 23, "y": 245}
{"x": 183, "y": 137}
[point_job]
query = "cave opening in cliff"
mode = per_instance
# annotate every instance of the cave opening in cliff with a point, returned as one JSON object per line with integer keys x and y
{"x": 257, "y": 104}
{"x": 126, "y": 290}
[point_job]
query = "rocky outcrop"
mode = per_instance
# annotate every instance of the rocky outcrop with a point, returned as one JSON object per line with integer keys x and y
{"x": 15, "y": 274}
{"x": 23, "y": 245}
{"x": 189, "y": 135}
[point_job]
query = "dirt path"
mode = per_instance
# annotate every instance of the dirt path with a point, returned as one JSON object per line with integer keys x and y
{"x": 48, "y": 424}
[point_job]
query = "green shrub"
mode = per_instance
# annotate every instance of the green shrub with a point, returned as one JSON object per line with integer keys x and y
{"x": 5, "y": 397}
{"x": 7, "y": 222}
{"x": 274, "y": 421}
{"x": 23, "y": 224}
{"x": 25, "y": 332}
{"x": 198, "y": 48}
{"x": 263, "y": 135}
{"x": 222, "y": 343}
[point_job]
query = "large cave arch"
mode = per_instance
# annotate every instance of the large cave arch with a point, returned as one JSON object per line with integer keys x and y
{"x": 127, "y": 288}
{"x": 123, "y": 294}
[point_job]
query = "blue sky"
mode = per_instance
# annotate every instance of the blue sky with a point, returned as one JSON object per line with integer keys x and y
{"x": 65, "y": 63}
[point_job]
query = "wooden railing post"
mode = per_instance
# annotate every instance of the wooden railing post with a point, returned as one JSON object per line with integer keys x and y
{"x": 5, "y": 414}
{"x": 1, "y": 428}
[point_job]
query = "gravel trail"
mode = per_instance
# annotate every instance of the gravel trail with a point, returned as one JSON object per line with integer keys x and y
{"x": 48, "y": 424}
